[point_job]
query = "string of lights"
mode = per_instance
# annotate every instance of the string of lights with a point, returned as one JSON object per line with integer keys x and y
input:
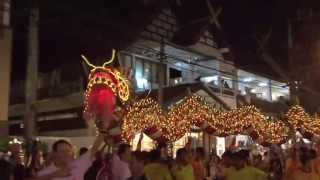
{"x": 302, "y": 121}
{"x": 194, "y": 110}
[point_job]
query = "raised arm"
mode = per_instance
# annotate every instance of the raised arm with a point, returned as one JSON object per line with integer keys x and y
{"x": 97, "y": 144}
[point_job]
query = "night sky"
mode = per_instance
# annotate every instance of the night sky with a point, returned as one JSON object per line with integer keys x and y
{"x": 69, "y": 28}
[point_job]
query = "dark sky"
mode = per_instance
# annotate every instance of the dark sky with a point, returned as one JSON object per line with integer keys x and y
{"x": 68, "y": 28}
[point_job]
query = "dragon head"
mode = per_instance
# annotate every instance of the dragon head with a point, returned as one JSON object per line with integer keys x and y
{"x": 107, "y": 89}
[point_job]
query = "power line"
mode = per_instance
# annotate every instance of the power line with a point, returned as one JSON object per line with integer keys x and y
{"x": 202, "y": 66}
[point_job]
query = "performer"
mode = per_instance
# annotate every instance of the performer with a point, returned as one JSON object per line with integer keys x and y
{"x": 107, "y": 93}
{"x": 64, "y": 166}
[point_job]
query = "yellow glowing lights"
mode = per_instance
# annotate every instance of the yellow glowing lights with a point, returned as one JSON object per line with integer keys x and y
{"x": 104, "y": 64}
{"x": 109, "y": 77}
{"x": 194, "y": 110}
{"x": 302, "y": 121}
{"x": 140, "y": 116}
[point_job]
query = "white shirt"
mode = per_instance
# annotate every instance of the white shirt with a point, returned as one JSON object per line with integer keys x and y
{"x": 78, "y": 168}
{"x": 120, "y": 169}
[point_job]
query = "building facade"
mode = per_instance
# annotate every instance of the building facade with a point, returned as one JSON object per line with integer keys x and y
{"x": 200, "y": 68}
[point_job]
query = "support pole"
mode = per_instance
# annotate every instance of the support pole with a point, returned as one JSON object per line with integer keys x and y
{"x": 32, "y": 73}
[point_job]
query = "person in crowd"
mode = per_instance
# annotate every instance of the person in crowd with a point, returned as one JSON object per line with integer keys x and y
{"x": 243, "y": 170}
{"x": 292, "y": 163}
{"x": 36, "y": 164}
{"x": 146, "y": 156}
{"x": 156, "y": 170}
{"x": 64, "y": 166}
{"x": 162, "y": 147}
{"x": 265, "y": 161}
{"x": 101, "y": 161}
{"x": 315, "y": 161}
{"x": 199, "y": 164}
{"x": 275, "y": 167}
{"x": 120, "y": 163}
{"x": 137, "y": 165}
{"x": 212, "y": 166}
{"x": 17, "y": 161}
{"x": 188, "y": 149}
{"x": 83, "y": 150}
{"x": 305, "y": 171}
{"x": 63, "y": 155}
{"x": 256, "y": 160}
{"x": 48, "y": 159}
{"x": 5, "y": 168}
{"x": 227, "y": 159}
{"x": 226, "y": 165}
{"x": 183, "y": 170}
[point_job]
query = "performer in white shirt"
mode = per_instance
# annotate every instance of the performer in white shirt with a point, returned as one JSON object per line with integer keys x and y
{"x": 65, "y": 167}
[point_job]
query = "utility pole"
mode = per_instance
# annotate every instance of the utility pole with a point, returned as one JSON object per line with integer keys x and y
{"x": 290, "y": 46}
{"x": 293, "y": 86}
{"x": 32, "y": 72}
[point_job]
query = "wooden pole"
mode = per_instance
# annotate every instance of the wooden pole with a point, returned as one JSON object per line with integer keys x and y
{"x": 32, "y": 73}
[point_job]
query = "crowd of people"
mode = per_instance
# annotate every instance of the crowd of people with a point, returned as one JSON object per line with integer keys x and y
{"x": 100, "y": 163}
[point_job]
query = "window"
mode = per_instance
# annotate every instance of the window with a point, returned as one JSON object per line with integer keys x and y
{"x": 214, "y": 80}
{"x": 226, "y": 82}
{"x": 175, "y": 76}
{"x": 174, "y": 73}
{"x": 279, "y": 91}
{"x": 146, "y": 73}
{"x": 142, "y": 80}
{"x": 253, "y": 84}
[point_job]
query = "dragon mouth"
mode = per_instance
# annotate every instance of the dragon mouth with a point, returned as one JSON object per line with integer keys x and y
{"x": 101, "y": 78}
{"x": 107, "y": 77}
